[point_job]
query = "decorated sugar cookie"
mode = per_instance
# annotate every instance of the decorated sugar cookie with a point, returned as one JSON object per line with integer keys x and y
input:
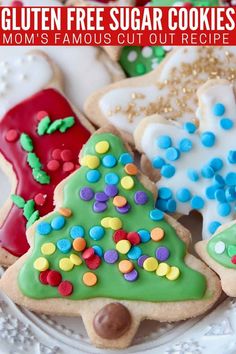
{"x": 85, "y": 68}
{"x": 220, "y": 254}
{"x": 196, "y": 165}
{"x": 169, "y": 90}
{"x": 106, "y": 253}
{"x": 40, "y": 140}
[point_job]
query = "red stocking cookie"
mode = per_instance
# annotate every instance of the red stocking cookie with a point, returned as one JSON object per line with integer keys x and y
{"x": 39, "y": 145}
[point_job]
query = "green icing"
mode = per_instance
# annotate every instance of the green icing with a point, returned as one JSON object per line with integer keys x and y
{"x": 33, "y": 160}
{"x": 45, "y": 126}
{"x": 33, "y": 218}
{"x": 41, "y": 176}
{"x": 18, "y": 201}
{"x": 228, "y": 237}
{"x": 146, "y": 59}
{"x": 191, "y": 285}
{"x": 26, "y": 142}
{"x": 29, "y": 209}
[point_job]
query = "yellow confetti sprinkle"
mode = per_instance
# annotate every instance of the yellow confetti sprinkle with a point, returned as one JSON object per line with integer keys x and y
{"x": 102, "y": 147}
{"x": 66, "y": 264}
{"x": 105, "y": 222}
{"x": 127, "y": 182}
{"x": 115, "y": 223}
{"x": 162, "y": 269}
{"x": 123, "y": 246}
{"x": 91, "y": 161}
{"x": 150, "y": 264}
{"x": 48, "y": 248}
{"x": 173, "y": 274}
{"x": 76, "y": 260}
{"x": 41, "y": 264}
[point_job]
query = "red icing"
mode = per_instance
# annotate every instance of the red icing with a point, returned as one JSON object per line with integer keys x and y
{"x": 23, "y": 118}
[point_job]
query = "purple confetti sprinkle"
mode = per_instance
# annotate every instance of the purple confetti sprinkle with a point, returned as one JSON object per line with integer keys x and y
{"x": 86, "y": 193}
{"x": 101, "y": 197}
{"x": 141, "y": 260}
{"x": 99, "y": 207}
{"x": 140, "y": 197}
{"x": 111, "y": 190}
{"x": 131, "y": 276}
{"x": 162, "y": 253}
{"x": 124, "y": 210}
{"x": 111, "y": 256}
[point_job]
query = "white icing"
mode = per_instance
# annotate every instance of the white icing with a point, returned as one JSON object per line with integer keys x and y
{"x": 118, "y": 96}
{"x": 20, "y": 78}
{"x": 81, "y": 67}
{"x": 219, "y": 247}
{"x": 199, "y": 155}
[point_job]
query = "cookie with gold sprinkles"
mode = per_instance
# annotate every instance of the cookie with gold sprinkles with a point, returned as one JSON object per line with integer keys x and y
{"x": 106, "y": 249}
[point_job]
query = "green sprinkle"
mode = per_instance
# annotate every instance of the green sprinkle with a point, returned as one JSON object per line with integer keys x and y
{"x": 29, "y": 209}
{"x": 67, "y": 123}
{"x": 41, "y": 176}
{"x": 26, "y": 142}
{"x": 32, "y": 219}
{"x": 54, "y": 126}
{"x": 33, "y": 160}
{"x": 18, "y": 201}
{"x": 43, "y": 125}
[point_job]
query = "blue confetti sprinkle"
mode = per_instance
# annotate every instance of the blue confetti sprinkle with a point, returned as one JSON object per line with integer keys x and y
{"x": 111, "y": 178}
{"x": 218, "y": 109}
{"x": 168, "y": 171}
{"x": 213, "y": 226}
{"x": 161, "y": 204}
{"x": 58, "y": 222}
{"x": 226, "y": 123}
{"x": 96, "y": 233}
{"x": 158, "y": 162}
{"x": 164, "y": 142}
{"x": 93, "y": 176}
{"x": 109, "y": 161}
{"x": 126, "y": 158}
{"x": 197, "y": 202}
{"x": 210, "y": 191}
{"x": 44, "y": 228}
{"x": 77, "y": 231}
{"x": 64, "y": 245}
{"x": 230, "y": 194}
{"x": 171, "y": 206}
{"x": 183, "y": 195}
{"x": 164, "y": 193}
{"x": 207, "y": 172}
{"x": 220, "y": 195}
{"x": 190, "y": 127}
{"x": 230, "y": 179}
{"x": 208, "y": 139}
{"x": 172, "y": 154}
{"x": 98, "y": 250}
{"x": 224, "y": 209}
{"x": 156, "y": 215}
{"x": 185, "y": 145}
{"x": 216, "y": 163}
{"x": 134, "y": 253}
{"x": 192, "y": 175}
{"x": 144, "y": 235}
{"x": 219, "y": 180}
{"x": 232, "y": 156}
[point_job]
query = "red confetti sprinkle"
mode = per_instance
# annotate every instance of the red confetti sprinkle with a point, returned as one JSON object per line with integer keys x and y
{"x": 133, "y": 238}
{"x": 119, "y": 235}
{"x": 68, "y": 166}
{"x": 65, "y": 288}
{"x": 41, "y": 115}
{"x": 54, "y": 278}
{"x": 17, "y": 3}
{"x": 88, "y": 253}
{"x": 43, "y": 277}
{"x": 53, "y": 165}
{"x": 40, "y": 199}
{"x": 12, "y": 135}
{"x": 93, "y": 262}
{"x": 66, "y": 155}
{"x": 233, "y": 259}
{"x": 56, "y": 154}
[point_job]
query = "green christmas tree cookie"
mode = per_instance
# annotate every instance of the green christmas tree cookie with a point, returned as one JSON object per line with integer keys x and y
{"x": 108, "y": 254}
{"x": 220, "y": 254}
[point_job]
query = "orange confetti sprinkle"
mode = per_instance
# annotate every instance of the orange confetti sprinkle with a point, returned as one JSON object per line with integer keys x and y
{"x": 90, "y": 279}
{"x": 125, "y": 266}
{"x": 119, "y": 201}
{"x": 131, "y": 169}
{"x": 157, "y": 234}
{"x": 79, "y": 244}
{"x": 65, "y": 212}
